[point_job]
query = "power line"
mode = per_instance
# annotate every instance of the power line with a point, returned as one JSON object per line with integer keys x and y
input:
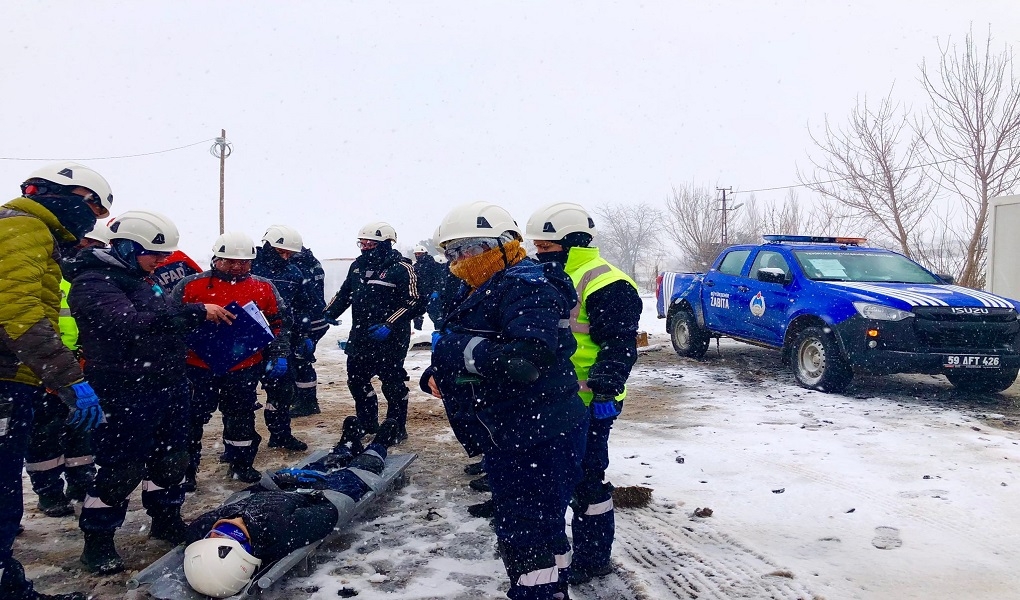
{"x": 114, "y": 157}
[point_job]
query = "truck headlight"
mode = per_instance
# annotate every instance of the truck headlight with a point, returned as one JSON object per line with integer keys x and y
{"x": 880, "y": 312}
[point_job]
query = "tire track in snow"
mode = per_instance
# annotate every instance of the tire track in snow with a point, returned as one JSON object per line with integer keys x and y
{"x": 678, "y": 557}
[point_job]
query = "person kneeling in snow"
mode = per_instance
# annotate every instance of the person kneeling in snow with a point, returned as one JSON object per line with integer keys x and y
{"x": 289, "y": 510}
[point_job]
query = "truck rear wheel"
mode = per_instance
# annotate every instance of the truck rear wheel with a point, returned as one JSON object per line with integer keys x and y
{"x": 817, "y": 362}
{"x": 689, "y": 339}
{"x": 978, "y": 381}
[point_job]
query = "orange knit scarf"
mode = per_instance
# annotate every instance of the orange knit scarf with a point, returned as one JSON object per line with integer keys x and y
{"x": 476, "y": 270}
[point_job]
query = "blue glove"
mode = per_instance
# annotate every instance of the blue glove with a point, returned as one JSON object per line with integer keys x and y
{"x": 434, "y": 295}
{"x": 306, "y": 476}
{"x": 305, "y": 349}
{"x": 87, "y": 413}
{"x": 277, "y": 368}
{"x": 333, "y": 322}
{"x": 604, "y": 406}
{"x": 435, "y": 339}
{"x": 379, "y": 332}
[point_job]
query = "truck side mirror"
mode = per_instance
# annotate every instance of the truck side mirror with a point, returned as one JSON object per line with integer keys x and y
{"x": 949, "y": 279}
{"x": 771, "y": 275}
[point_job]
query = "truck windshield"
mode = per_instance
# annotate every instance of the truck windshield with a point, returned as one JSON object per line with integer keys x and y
{"x": 838, "y": 265}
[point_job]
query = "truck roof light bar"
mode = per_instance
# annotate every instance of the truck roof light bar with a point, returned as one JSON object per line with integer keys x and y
{"x": 815, "y": 239}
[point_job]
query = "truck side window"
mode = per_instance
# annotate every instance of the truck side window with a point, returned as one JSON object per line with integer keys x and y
{"x": 733, "y": 262}
{"x": 768, "y": 259}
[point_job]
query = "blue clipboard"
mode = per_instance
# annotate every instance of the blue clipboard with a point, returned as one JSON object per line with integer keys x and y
{"x": 223, "y": 347}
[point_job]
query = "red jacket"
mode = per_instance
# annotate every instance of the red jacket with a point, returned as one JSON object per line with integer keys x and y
{"x": 209, "y": 287}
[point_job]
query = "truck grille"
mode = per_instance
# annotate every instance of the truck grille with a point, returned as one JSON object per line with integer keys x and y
{"x": 939, "y": 328}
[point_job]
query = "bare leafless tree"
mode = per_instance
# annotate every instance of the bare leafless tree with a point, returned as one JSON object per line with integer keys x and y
{"x": 974, "y": 135}
{"x": 627, "y": 233}
{"x": 694, "y": 225}
{"x": 874, "y": 166}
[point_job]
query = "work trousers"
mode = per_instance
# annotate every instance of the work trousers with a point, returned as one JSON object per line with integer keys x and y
{"x": 16, "y": 402}
{"x": 305, "y": 401}
{"x": 531, "y": 489}
{"x": 144, "y": 440}
{"x": 55, "y": 448}
{"x": 234, "y": 393}
{"x": 386, "y": 362}
{"x": 279, "y": 395}
{"x": 594, "y": 522}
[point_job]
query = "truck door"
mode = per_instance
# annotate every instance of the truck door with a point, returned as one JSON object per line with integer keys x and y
{"x": 719, "y": 286}
{"x": 767, "y": 303}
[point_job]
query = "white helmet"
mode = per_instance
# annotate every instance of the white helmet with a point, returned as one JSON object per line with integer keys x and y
{"x": 149, "y": 229}
{"x": 100, "y": 233}
{"x": 378, "y": 231}
{"x": 234, "y": 244}
{"x": 283, "y": 237}
{"x": 419, "y": 249}
{"x": 476, "y": 219}
{"x": 556, "y": 221}
{"x": 218, "y": 567}
{"x": 73, "y": 174}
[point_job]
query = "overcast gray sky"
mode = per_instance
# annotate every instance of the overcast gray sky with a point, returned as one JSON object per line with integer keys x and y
{"x": 342, "y": 113}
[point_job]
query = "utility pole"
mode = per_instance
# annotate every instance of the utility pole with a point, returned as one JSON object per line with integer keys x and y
{"x": 726, "y": 211}
{"x": 221, "y": 149}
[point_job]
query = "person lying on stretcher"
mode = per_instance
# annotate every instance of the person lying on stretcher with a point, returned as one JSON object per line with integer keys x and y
{"x": 227, "y": 545}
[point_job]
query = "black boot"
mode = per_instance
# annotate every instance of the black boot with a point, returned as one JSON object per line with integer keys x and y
{"x": 55, "y": 505}
{"x": 351, "y": 435}
{"x": 100, "y": 555}
{"x": 287, "y": 442}
{"x": 389, "y": 434}
{"x": 167, "y": 525}
{"x": 475, "y": 469}
{"x": 245, "y": 473}
{"x": 481, "y": 484}
{"x": 483, "y": 509}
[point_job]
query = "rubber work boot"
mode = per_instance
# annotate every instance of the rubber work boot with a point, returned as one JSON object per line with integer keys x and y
{"x": 100, "y": 555}
{"x": 475, "y": 469}
{"x": 481, "y": 484}
{"x": 169, "y": 527}
{"x": 351, "y": 435}
{"x": 55, "y": 505}
{"x": 483, "y": 510}
{"x": 245, "y": 473}
{"x": 389, "y": 434}
{"x": 577, "y": 576}
{"x": 287, "y": 442}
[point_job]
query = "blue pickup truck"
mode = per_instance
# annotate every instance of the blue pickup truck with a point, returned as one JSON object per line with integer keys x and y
{"x": 836, "y": 308}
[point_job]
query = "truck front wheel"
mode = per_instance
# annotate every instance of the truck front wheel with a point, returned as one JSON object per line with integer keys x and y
{"x": 688, "y": 339}
{"x": 978, "y": 381}
{"x": 817, "y": 362}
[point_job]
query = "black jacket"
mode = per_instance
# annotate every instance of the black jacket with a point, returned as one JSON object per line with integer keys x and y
{"x": 430, "y": 275}
{"x": 308, "y": 308}
{"x": 520, "y": 314}
{"x": 613, "y": 315}
{"x": 126, "y": 325}
{"x": 386, "y": 292}
{"x": 287, "y": 278}
{"x": 279, "y": 522}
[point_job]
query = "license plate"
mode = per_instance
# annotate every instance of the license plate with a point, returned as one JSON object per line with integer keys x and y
{"x": 970, "y": 361}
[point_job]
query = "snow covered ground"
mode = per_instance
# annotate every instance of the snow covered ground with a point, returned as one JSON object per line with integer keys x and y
{"x": 901, "y": 488}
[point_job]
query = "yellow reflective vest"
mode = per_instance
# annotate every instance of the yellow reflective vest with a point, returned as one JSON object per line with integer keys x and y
{"x": 68, "y": 328}
{"x": 589, "y": 273}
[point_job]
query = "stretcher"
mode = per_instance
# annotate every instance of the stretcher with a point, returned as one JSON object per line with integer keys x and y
{"x": 164, "y": 579}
